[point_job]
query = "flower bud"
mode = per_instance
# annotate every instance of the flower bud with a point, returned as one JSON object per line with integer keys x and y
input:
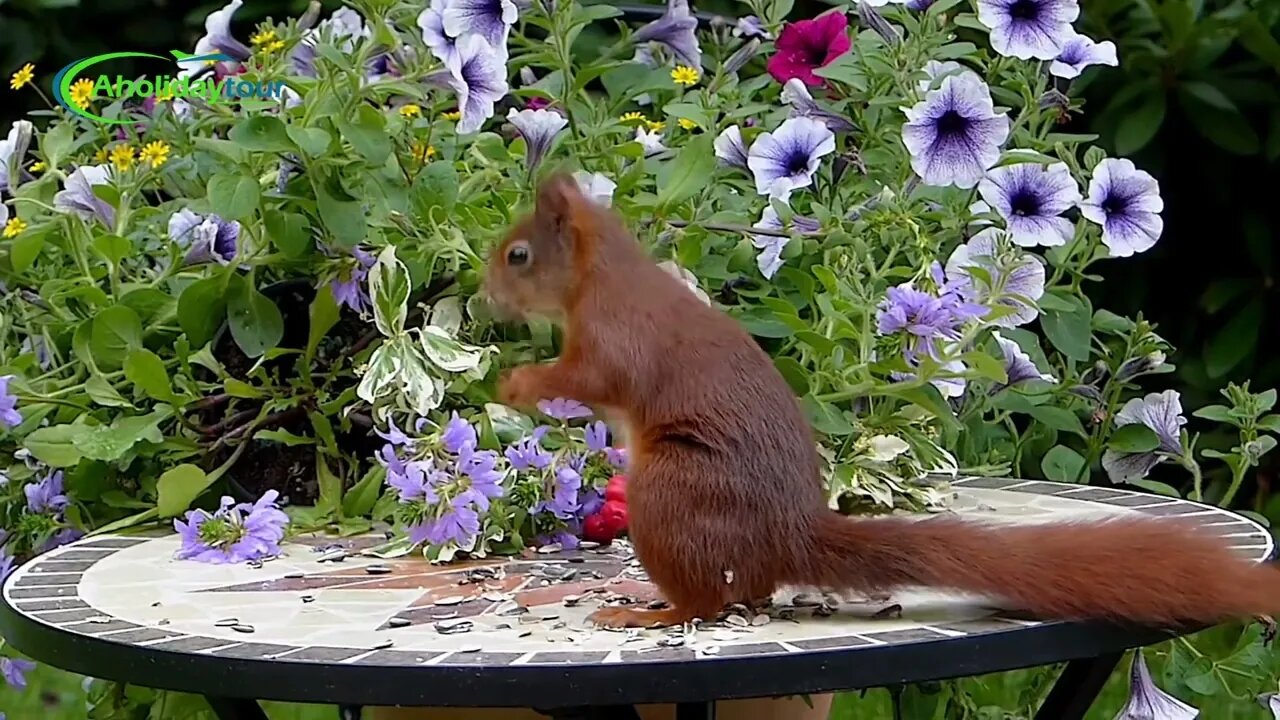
{"x": 743, "y": 56}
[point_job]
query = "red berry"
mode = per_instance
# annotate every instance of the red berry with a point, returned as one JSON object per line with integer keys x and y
{"x": 596, "y": 529}
{"x": 616, "y": 489}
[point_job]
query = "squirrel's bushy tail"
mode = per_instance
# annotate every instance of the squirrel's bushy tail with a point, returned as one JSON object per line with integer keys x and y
{"x": 1156, "y": 572}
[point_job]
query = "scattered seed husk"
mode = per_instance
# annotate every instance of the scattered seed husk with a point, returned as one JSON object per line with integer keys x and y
{"x": 824, "y": 611}
{"x": 294, "y": 576}
{"x": 710, "y": 649}
{"x": 761, "y": 620}
{"x": 893, "y": 611}
{"x": 469, "y": 649}
{"x": 572, "y": 600}
{"x": 549, "y": 617}
{"x": 227, "y": 622}
{"x": 525, "y": 633}
{"x": 453, "y": 627}
{"x": 378, "y": 570}
{"x": 806, "y": 600}
{"x": 384, "y": 645}
{"x": 308, "y": 598}
{"x": 99, "y": 620}
{"x": 399, "y": 622}
{"x": 496, "y": 597}
{"x": 671, "y": 641}
{"x": 588, "y": 545}
{"x": 550, "y": 548}
{"x": 451, "y": 600}
{"x": 333, "y": 556}
{"x": 243, "y": 628}
{"x": 737, "y": 620}
{"x": 155, "y": 604}
{"x": 577, "y": 560}
{"x": 509, "y": 608}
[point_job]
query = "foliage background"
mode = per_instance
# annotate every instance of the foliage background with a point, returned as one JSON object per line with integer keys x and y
{"x": 1194, "y": 102}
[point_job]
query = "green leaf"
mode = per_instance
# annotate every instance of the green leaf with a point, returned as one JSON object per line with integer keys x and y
{"x": 201, "y": 309}
{"x": 1234, "y": 341}
{"x": 1267, "y": 399}
{"x": 25, "y": 249}
{"x": 261, "y": 133}
{"x": 1069, "y": 331}
{"x": 987, "y": 366}
{"x": 449, "y": 354}
{"x": 825, "y": 417}
{"x": 53, "y": 445}
{"x": 794, "y": 373}
{"x": 362, "y": 496}
{"x": 110, "y": 443}
{"x": 241, "y": 389}
{"x": 56, "y": 144}
{"x": 324, "y": 315}
{"x": 330, "y": 500}
{"x": 255, "y": 321}
{"x": 112, "y": 247}
{"x": 1062, "y": 464}
{"x": 103, "y": 393}
{"x": 1270, "y": 423}
{"x": 689, "y": 111}
{"x": 367, "y": 133}
{"x": 284, "y": 437}
{"x": 312, "y": 141}
{"x": 178, "y": 487}
{"x": 125, "y": 523}
{"x": 389, "y": 290}
{"x": 1134, "y": 438}
{"x": 1217, "y": 413}
{"x": 1058, "y": 419}
{"x": 1140, "y": 123}
{"x": 289, "y": 232}
{"x": 117, "y": 331}
{"x": 688, "y": 173}
{"x": 1156, "y": 487}
{"x": 1202, "y": 679}
{"x": 146, "y": 370}
{"x": 341, "y": 214}
{"x": 435, "y": 187}
{"x": 233, "y": 196}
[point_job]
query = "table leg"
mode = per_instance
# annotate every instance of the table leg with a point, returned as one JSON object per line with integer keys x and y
{"x": 696, "y": 711}
{"x": 350, "y": 712}
{"x": 236, "y": 708}
{"x": 1077, "y": 687}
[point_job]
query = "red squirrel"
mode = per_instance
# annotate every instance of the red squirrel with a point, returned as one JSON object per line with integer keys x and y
{"x": 724, "y": 489}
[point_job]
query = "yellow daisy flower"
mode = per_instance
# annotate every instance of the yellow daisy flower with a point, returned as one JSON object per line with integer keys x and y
{"x": 24, "y": 75}
{"x": 155, "y": 153}
{"x": 684, "y": 75}
{"x": 410, "y": 111}
{"x": 82, "y": 92}
{"x": 39, "y": 166}
{"x": 454, "y": 115}
{"x": 100, "y": 156}
{"x": 655, "y": 125}
{"x": 14, "y": 227}
{"x": 422, "y": 153}
{"x": 274, "y": 46}
{"x": 263, "y": 37}
{"x": 631, "y": 117}
{"x": 122, "y": 156}
{"x": 688, "y": 124}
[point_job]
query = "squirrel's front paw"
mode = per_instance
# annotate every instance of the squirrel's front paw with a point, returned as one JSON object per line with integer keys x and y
{"x": 518, "y": 387}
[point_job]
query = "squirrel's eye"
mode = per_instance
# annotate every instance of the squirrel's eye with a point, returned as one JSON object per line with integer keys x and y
{"x": 518, "y": 254}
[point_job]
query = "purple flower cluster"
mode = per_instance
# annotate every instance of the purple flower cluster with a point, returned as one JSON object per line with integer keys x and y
{"x": 349, "y": 287}
{"x": 46, "y": 496}
{"x": 926, "y": 318}
{"x": 9, "y": 416}
{"x": 14, "y": 671}
{"x": 234, "y": 533}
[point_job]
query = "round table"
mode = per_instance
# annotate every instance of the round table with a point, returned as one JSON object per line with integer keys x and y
{"x": 328, "y": 624}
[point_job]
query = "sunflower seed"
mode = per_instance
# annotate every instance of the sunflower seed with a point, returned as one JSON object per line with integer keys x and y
{"x": 710, "y": 650}
{"x": 294, "y": 576}
{"x": 737, "y": 620}
{"x": 383, "y": 645}
{"x": 100, "y": 619}
{"x": 550, "y": 548}
{"x": 378, "y": 570}
{"x": 308, "y": 598}
{"x": 806, "y": 600}
{"x": 242, "y": 628}
{"x": 672, "y": 641}
{"x": 761, "y": 620}
{"x": 824, "y": 611}
{"x": 399, "y": 622}
{"x": 572, "y": 600}
{"x": 577, "y": 560}
{"x": 469, "y": 649}
{"x": 893, "y": 611}
{"x": 227, "y": 622}
{"x": 451, "y": 600}
{"x": 334, "y": 556}
{"x": 496, "y": 597}
{"x": 453, "y": 627}
{"x": 588, "y": 545}
{"x": 509, "y": 608}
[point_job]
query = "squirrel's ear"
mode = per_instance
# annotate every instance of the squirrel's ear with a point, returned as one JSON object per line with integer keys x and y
{"x": 558, "y": 200}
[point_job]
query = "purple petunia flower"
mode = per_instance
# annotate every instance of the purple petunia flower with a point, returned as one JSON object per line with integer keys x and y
{"x": 1147, "y": 701}
{"x": 1028, "y": 29}
{"x": 730, "y": 150}
{"x": 1031, "y": 198}
{"x": 539, "y": 129}
{"x": 207, "y": 237}
{"x": 595, "y": 187}
{"x": 478, "y": 76}
{"x": 935, "y": 71}
{"x": 1162, "y": 412}
{"x": 1018, "y": 366}
{"x": 954, "y": 134}
{"x": 650, "y": 142}
{"x": 217, "y": 38}
{"x": 1126, "y": 202}
{"x": 769, "y": 260}
{"x": 77, "y": 196}
{"x": 431, "y": 22}
{"x": 564, "y": 409}
{"x": 787, "y": 158}
{"x": 676, "y": 30}
{"x": 349, "y": 289}
{"x": 9, "y": 416}
{"x": 458, "y": 435}
{"x": 528, "y": 452}
{"x": 14, "y": 671}
{"x": 919, "y": 5}
{"x": 12, "y": 150}
{"x": 46, "y": 495}
{"x": 489, "y": 19}
{"x": 234, "y": 533}
{"x": 797, "y": 95}
{"x": 596, "y": 436}
{"x": 1012, "y": 279}
{"x": 1079, "y": 52}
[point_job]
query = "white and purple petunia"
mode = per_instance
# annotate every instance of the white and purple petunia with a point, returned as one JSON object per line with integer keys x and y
{"x": 206, "y": 237}
{"x": 78, "y": 197}
{"x": 1147, "y": 701}
{"x": 1079, "y": 52}
{"x": 787, "y": 158}
{"x": 650, "y": 141}
{"x": 731, "y": 151}
{"x": 12, "y": 150}
{"x": 478, "y": 76}
{"x": 676, "y": 30}
{"x": 1162, "y": 413}
{"x": 935, "y": 71}
{"x": 1010, "y": 279}
{"x": 539, "y": 129}
{"x": 490, "y": 19}
{"x": 595, "y": 187}
{"x": 1031, "y": 198}
{"x": 769, "y": 259}
{"x": 1126, "y": 202}
{"x": 431, "y": 22}
{"x": 217, "y": 38}
{"x": 796, "y": 95}
{"x": 1018, "y": 365}
{"x": 954, "y": 134}
{"x": 1028, "y": 29}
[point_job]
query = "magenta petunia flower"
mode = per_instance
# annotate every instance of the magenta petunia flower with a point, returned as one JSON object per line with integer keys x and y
{"x": 806, "y": 45}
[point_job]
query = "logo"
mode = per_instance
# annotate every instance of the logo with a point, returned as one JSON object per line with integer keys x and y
{"x": 210, "y": 89}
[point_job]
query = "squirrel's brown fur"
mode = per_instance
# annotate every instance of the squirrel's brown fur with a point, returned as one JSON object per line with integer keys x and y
{"x": 724, "y": 490}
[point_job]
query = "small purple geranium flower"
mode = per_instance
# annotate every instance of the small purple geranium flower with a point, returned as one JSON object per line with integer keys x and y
{"x": 1031, "y": 198}
{"x": 478, "y": 76}
{"x": 458, "y": 435}
{"x": 46, "y": 495}
{"x": 564, "y": 409}
{"x": 1162, "y": 412}
{"x": 1028, "y": 29}
{"x": 954, "y": 134}
{"x": 787, "y": 158}
{"x": 676, "y": 30}
{"x": 14, "y": 671}
{"x": 207, "y": 237}
{"x": 9, "y": 415}
{"x": 1079, "y": 52}
{"x": 1126, "y": 202}
{"x": 349, "y": 289}
{"x": 234, "y": 533}
{"x": 528, "y": 452}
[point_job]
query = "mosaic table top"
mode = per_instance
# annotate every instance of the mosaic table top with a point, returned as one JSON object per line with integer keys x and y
{"x": 332, "y": 606}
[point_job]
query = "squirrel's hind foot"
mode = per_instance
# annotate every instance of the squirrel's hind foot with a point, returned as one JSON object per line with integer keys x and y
{"x": 630, "y": 617}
